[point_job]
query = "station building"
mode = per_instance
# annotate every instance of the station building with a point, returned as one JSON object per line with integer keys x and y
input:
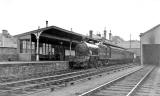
{"x": 150, "y": 46}
{"x": 53, "y": 43}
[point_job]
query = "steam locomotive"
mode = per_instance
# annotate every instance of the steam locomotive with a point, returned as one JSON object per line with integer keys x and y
{"x": 89, "y": 55}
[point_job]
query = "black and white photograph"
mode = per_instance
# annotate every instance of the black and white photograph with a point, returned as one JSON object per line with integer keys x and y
{"x": 79, "y": 47}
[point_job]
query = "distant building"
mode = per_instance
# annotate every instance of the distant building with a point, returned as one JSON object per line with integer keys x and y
{"x": 6, "y": 40}
{"x": 8, "y": 47}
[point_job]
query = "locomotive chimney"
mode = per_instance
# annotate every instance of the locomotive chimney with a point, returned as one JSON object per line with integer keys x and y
{"x": 110, "y": 36}
{"x": 46, "y": 23}
{"x": 90, "y": 33}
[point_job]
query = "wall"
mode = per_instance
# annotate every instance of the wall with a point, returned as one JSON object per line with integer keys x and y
{"x": 151, "y": 54}
{"x": 23, "y": 70}
{"x": 7, "y": 53}
{"x": 150, "y": 37}
{"x": 24, "y": 57}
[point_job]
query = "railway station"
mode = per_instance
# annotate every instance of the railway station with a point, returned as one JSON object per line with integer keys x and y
{"x": 79, "y": 48}
{"x": 53, "y": 61}
{"x": 55, "y": 44}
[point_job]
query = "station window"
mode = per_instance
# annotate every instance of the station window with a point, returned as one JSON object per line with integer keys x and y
{"x": 67, "y": 52}
{"x": 53, "y": 51}
{"x": 44, "y": 47}
{"x": 25, "y": 46}
{"x": 47, "y": 49}
{"x": 33, "y": 47}
{"x": 50, "y": 48}
{"x": 40, "y": 50}
{"x": 28, "y": 46}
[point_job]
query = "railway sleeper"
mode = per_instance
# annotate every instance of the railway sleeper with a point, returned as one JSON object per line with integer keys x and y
{"x": 54, "y": 87}
{"x": 90, "y": 77}
{"x": 53, "y": 83}
{"x": 82, "y": 80}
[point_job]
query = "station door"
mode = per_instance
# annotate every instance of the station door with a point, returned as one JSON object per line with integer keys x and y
{"x": 151, "y": 54}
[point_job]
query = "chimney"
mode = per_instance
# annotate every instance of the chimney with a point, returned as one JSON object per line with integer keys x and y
{"x": 90, "y": 33}
{"x": 46, "y": 23}
{"x": 5, "y": 32}
{"x": 110, "y": 36}
{"x": 105, "y": 34}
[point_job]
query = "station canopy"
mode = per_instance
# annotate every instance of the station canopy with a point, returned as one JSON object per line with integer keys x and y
{"x": 54, "y": 34}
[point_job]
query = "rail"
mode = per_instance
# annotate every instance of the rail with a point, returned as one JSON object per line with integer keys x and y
{"x": 108, "y": 83}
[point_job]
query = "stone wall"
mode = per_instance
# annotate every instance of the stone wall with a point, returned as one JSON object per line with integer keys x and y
{"x": 11, "y": 70}
{"x": 8, "y": 54}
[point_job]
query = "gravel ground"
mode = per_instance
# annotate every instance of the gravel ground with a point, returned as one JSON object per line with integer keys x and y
{"x": 74, "y": 90}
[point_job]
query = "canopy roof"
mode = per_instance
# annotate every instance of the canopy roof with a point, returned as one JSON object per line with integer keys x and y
{"x": 55, "y": 32}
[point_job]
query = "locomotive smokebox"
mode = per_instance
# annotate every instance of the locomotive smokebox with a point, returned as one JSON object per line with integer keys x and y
{"x": 82, "y": 49}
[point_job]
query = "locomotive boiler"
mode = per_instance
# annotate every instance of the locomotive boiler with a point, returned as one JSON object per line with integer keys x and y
{"x": 89, "y": 55}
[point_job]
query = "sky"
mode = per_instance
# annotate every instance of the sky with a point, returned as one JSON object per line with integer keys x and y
{"x": 122, "y": 17}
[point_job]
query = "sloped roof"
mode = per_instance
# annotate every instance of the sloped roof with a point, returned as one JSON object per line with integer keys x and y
{"x": 47, "y": 28}
{"x": 150, "y": 30}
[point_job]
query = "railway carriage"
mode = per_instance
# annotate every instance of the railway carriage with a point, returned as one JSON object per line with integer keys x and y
{"x": 90, "y": 55}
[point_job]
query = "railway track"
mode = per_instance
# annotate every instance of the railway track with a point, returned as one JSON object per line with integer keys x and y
{"x": 123, "y": 86}
{"x": 31, "y": 76}
{"x": 33, "y": 85}
{"x": 150, "y": 86}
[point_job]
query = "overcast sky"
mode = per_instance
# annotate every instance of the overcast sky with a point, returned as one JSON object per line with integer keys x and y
{"x": 121, "y": 16}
